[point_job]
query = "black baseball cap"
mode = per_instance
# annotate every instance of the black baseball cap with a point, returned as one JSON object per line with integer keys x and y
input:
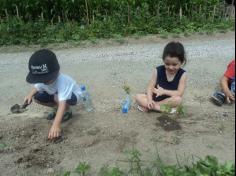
{"x": 43, "y": 67}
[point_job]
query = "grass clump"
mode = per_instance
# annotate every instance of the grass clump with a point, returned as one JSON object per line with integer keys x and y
{"x": 127, "y": 89}
{"x": 82, "y": 169}
{"x": 209, "y": 166}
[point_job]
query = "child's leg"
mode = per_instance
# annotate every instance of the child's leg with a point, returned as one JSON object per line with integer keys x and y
{"x": 142, "y": 100}
{"x": 71, "y": 102}
{"x": 43, "y": 98}
{"x": 172, "y": 101}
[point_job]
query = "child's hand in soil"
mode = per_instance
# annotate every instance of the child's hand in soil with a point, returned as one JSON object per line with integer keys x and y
{"x": 28, "y": 99}
{"x": 230, "y": 97}
{"x": 54, "y": 132}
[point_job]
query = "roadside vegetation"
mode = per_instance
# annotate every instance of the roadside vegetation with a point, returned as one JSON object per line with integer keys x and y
{"x": 24, "y": 22}
{"x": 209, "y": 166}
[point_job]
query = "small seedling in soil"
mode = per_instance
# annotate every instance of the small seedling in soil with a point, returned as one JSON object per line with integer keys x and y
{"x": 134, "y": 159}
{"x": 181, "y": 110}
{"x": 2, "y": 146}
{"x": 127, "y": 89}
{"x": 82, "y": 169}
{"x": 165, "y": 108}
{"x": 67, "y": 173}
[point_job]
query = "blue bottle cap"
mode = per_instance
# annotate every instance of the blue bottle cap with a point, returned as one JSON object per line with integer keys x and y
{"x": 83, "y": 87}
{"x": 125, "y": 110}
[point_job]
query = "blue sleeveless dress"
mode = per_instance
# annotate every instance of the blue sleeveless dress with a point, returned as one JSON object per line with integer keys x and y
{"x": 163, "y": 82}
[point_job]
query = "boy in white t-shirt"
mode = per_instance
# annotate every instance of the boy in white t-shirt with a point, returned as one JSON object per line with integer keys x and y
{"x": 51, "y": 88}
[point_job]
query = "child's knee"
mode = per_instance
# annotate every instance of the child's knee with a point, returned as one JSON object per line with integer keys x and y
{"x": 138, "y": 97}
{"x": 177, "y": 99}
{"x": 43, "y": 97}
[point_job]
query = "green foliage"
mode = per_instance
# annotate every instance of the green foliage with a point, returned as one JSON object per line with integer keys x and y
{"x": 181, "y": 110}
{"x": 67, "y": 173}
{"x": 127, "y": 89}
{"x": 82, "y": 169}
{"x": 209, "y": 166}
{"x": 41, "y": 22}
{"x": 135, "y": 163}
{"x": 106, "y": 171}
{"x": 165, "y": 108}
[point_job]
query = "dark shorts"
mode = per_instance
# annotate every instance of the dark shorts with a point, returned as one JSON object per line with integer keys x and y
{"x": 160, "y": 98}
{"x": 44, "y": 97}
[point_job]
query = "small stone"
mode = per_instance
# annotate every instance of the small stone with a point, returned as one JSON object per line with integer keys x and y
{"x": 93, "y": 131}
{"x": 32, "y": 137}
{"x": 225, "y": 114}
{"x": 50, "y": 171}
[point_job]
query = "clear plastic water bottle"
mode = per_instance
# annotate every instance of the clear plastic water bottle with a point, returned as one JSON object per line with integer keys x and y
{"x": 126, "y": 104}
{"x": 86, "y": 99}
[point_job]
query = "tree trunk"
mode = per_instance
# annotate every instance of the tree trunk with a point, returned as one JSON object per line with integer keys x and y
{"x": 87, "y": 11}
{"x": 180, "y": 13}
{"x": 230, "y": 10}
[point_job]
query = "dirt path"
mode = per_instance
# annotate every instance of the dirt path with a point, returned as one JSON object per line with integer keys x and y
{"x": 102, "y": 137}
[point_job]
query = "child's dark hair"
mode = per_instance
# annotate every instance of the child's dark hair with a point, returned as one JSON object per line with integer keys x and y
{"x": 175, "y": 49}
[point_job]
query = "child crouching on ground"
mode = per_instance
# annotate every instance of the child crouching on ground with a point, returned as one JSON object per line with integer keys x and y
{"x": 168, "y": 81}
{"x": 227, "y": 82}
{"x": 51, "y": 88}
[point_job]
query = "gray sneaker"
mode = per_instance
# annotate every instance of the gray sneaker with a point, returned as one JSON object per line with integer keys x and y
{"x": 218, "y": 98}
{"x": 66, "y": 116}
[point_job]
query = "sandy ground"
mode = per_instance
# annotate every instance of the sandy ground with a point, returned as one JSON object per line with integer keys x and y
{"x": 101, "y": 138}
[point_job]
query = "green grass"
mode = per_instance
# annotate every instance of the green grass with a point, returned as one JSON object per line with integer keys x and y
{"x": 18, "y": 32}
{"x": 82, "y": 169}
{"x": 209, "y": 166}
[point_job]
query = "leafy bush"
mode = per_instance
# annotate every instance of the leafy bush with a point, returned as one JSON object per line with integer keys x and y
{"x": 39, "y": 22}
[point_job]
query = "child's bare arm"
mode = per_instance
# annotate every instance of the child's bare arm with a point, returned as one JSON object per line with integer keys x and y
{"x": 151, "y": 85}
{"x": 150, "y": 88}
{"x": 225, "y": 87}
{"x": 181, "y": 88}
{"x": 29, "y": 97}
{"x": 55, "y": 130}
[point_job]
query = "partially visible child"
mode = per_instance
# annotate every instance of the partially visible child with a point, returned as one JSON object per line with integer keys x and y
{"x": 51, "y": 88}
{"x": 168, "y": 81}
{"x": 227, "y": 83}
